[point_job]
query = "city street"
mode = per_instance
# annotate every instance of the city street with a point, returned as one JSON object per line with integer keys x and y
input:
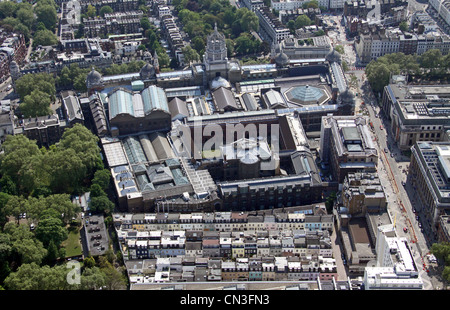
{"x": 392, "y": 165}
{"x": 391, "y": 171}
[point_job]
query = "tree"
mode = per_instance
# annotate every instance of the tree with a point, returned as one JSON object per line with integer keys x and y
{"x": 40, "y": 81}
{"x": 89, "y": 262}
{"x": 101, "y": 204}
{"x": 379, "y": 71}
{"x": 33, "y": 277}
{"x": 246, "y": 44}
{"x": 190, "y": 54}
{"x": 319, "y": 33}
{"x": 92, "y": 279}
{"x": 230, "y": 47}
{"x": 26, "y": 17}
{"x": 21, "y": 28}
{"x": 30, "y": 251}
{"x": 24, "y": 245}
{"x": 378, "y": 75}
{"x": 51, "y": 230}
{"x": 330, "y": 202}
{"x": 45, "y": 38}
{"x": 4, "y": 212}
{"x": 96, "y": 191}
{"x": 339, "y": 49}
{"x": 84, "y": 144}
{"x": 115, "y": 278}
{"x": 344, "y": 66}
{"x": 403, "y": 26}
{"x": 47, "y": 15}
{"x": 68, "y": 171}
{"x": 442, "y": 251}
{"x": 16, "y": 206}
{"x": 52, "y": 253}
{"x": 291, "y": 26}
{"x": 5, "y": 252}
{"x": 91, "y": 11}
{"x": 18, "y": 151}
{"x": 431, "y": 60}
{"x": 36, "y": 104}
{"x": 163, "y": 58}
{"x": 310, "y": 4}
{"x": 199, "y": 45}
{"x": 64, "y": 78}
{"x": 101, "y": 177}
{"x": 7, "y": 8}
{"x": 302, "y": 21}
{"x": 247, "y": 20}
{"x": 106, "y": 9}
{"x": 79, "y": 83}
{"x": 63, "y": 206}
{"x": 145, "y": 23}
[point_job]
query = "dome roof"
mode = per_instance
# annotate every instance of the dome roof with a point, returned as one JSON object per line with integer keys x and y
{"x": 333, "y": 56}
{"x": 220, "y": 82}
{"x": 94, "y": 78}
{"x": 306, "y": 94}
{"x": 281, "y": 59}
{"x": 147, "y": 71}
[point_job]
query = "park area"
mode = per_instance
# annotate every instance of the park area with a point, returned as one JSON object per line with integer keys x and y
{"x": 72, "y": 244}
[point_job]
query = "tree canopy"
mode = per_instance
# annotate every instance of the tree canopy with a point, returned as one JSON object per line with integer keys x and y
{"x": 302, "y": 21}
{"x": 379, "y": 71}
{"x": 442, "y": 251}
{"x": 429, "y": 65}
{"x": 42, "y": 82}
{"x": 44, "y": 37}
{"x": 18, "y": 17}
{"x": 199, "y": 18}
{"x": 63, "y": 168}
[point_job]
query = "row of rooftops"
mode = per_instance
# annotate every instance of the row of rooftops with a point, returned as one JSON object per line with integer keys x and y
{"x": 302, "y": 214}
{"x": 287, "y": 240}
{"x": 205, "y": 273}
{"x": 271, "y": 18}
{"x": 277, "y": 264}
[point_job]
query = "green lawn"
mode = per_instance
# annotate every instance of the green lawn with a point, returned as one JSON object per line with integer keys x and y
{"x": 72, "y": 244}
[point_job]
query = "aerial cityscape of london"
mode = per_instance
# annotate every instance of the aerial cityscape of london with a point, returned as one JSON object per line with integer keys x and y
{"x": 225, "y": 145}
